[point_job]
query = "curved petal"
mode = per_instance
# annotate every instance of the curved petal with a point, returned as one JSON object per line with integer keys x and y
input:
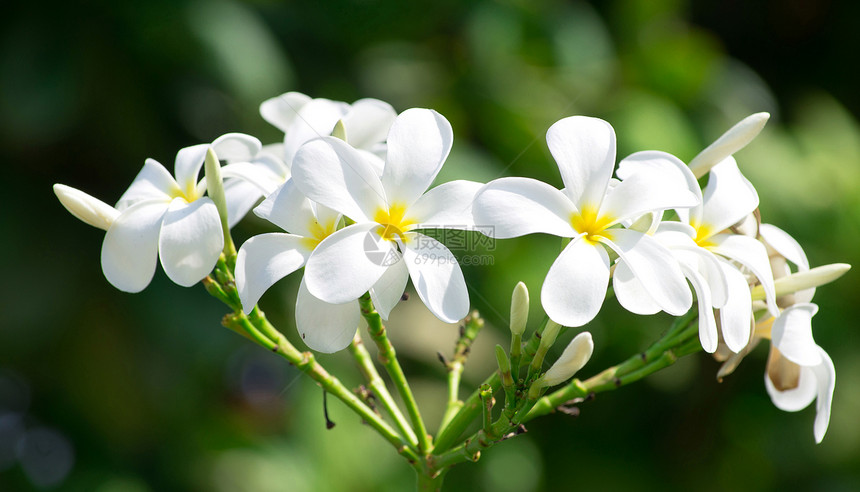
{"x": 86, "y": 208}
{"x": 751, "y": 254}
{"x": 130, "y": 249}
{"x": 188, "y": 163}
{"x": 288, "y": 209}
{"x": 630, "y": 293}
{"x": 513, "y": 207}
{"x": 584, "y": 149}
{"x": 437, "y": 277}
{"x": 265, "y": 259}
{"x": 260, "y": 176}
{"x": 334, "y": 174}
{"x": 190, "y": 241}
{"x": 705, "y": 263}
{"x": 795, "y": 399}
{"x": 236, "y": 147}
{"x": 153, "y": 182}
{"x": 787, "y": 247}
{"x": 418, "y": 145}
{"x": 281, "y": 111}
{"x": 728, "y": 197}
{"x": 708, "y": 335}
{"x": 448, "y": 205}
{"x": 825, "y": 375}
{"x": 388, "y": 290}
{"x": 642, "y": 193}
{"x": 325, "y": 327}
{"x": 654, "y": 266}
{"x": 575, "y": 286}
{"x": 669, "y": 168}
{"x": 368, "y": 122}
{"x": 736, "y": 313}
{"x": 736, "y": 138}
{"x": 792, "y": 335}
{"x": 314, "y": 120}
{"x": 348, "y": 263}
{"x": 241, "y": 197}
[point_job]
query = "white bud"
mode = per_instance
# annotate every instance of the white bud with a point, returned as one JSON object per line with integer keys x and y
{"x": 804, "y": 280}
{"x": 339, "y": 131}
{"x": 575, "y": 355}
{"x": 86, "y": 208}
{"x": 519, "y": 309}
{"x": 730, "y": 142}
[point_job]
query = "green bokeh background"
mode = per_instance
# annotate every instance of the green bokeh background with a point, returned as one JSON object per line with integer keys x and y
{"x": 150, "y": 393}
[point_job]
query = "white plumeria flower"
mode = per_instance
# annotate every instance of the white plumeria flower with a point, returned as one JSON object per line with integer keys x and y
{"x": 798, "y": 370}
{"x": 381, "y": 249}
{"x": 586, "y": 211}
{"x": 168, "y": 218}
{"x": 267, "y": 258}
{"x": 702, "y": 248}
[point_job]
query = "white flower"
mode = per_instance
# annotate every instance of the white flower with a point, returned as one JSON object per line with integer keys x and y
{"x": 586, "y": 211}
{"x": 86, "y": 208}
{"x": 574, "y": 357}
{"x": 381, "y": 249}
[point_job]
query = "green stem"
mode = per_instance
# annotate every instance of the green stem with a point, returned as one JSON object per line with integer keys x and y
{"x": 468, "y": 332}
{"x": 428, "y": 483}
{"x": 377, "y": 385}
{"x": 388, "y": 358}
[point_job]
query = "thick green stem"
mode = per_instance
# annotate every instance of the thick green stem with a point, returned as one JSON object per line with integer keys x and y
{"x": 388, "y": 358}
{"x": 468, "y": 332}
{"x": 430, "y": 483}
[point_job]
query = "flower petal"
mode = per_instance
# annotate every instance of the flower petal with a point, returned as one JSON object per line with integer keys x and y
{"x": 654, "y": 266}
{"x": 325, "y": 327}
{"x": 265, "y": 259}
{"x": 190, "y": 241}
{"x": 513, "y": 207}
{"x": 314, "y": 120}
{"x": 348, "y": 263}
{"x": 448, "y": 205}
{"x": 736, "y": 313}
{"x": 787, "y": 247}
{"x": 642, "y": 193}
{"x": 388, "y": 290}
{"x": 751, "y": 254}
{"x": 575, "y": 286}
{"x": 792, "y": 334}
{"x": 708, "y": 335}
{"x": 236, "y": 147}
{"x": 367, "y": 123}
{"x": 736, "y": 138}
{"x": 151, "y": 183}
{"x": 630, "y": 293}
{"x": 437, "y": 277}
{"x": 825, "y": 375}
{"x": 418, "y": 145}
{"x": 728, "y": 197}
{"x": 584, "y": 149}
{"x": 794, "y": 399}
{"x": 288, "y": 209}
{"x": 130, "y": 249}
{"x": 86, "y": 208}
{"x": 334, "y": 174}
{"x": 668, "y": 168}
{"x": 260, "y": 176}
{"x": 281, "y": 111}
{"x": 241, "y": 197}
{"x": 188, "y": 163}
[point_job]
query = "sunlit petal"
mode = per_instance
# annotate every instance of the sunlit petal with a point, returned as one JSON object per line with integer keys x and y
{"x": 152, "y": 182}
{"x": 575, "y": 286}
{"x": 728, "y": 197}
{"x": 314, "y": 120}
{"x": 794, "y": 399}
{"x": 630, "y": 292}
{"x": 437, "y": 277}
{"x": 736, "y": 138}
{"x": 130, "y": 249}
{"x": 188, "y": 163}
{"x": 367, "y": 123}
{"x": 447, "y": 205}
{"x": 388, "y": 290}
{"x": 265, "y": 259}
{"x": 236, "y": 147}
{"x": 288, "y": 209}
{"x": 190, "y": 241}
{"x": 325, "y": 327}
{"x": 671, "y": 170}
{"x": 241, "y": 197}
{"x": 584, "y": 149}
{"x": 792, "y": 334}
{"x": 86, "y": 208}
{"x": 825, "y": 375}
{"x": 736, "y": 313}
{"x": 752, "y": 255}
{"x": 518, "y": 206}
{"x": 642, "y": 193}
{"x": 282, "y": 111}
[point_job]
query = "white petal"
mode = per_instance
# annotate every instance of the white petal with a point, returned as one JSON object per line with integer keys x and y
{"x": 388, "y": 290}
{"x": 702, "y": 261}
{"x": 325, "y": 327}
{"x": 334, "y": 174}
{"x": 190, "y": 241}
{"x": 241, "y": 197}
{"x": 367, "y": 123}
{"x": 447, "y": 205}
{"x": 437, "y": 277}
{"x": 314, "y": 120}
{"x": 795, "y": 399}
{"x": 236, "y": 147}
{"x": 708, "y": 335}
{"x": 728, "y": 198}
{"x": 513, "y": 207}
{"x": 130, "y": 248}
{"x": 188, "y": 163}
{"x": 574, "y": 357}
{"x": 825, "y": 375}
{"x": 630, "y": 292}
{"x": 792, "y": 335}
{"x": 654, "y": 266}
{"x": 348, "y": 263}
{"x": 584, "y": 149}
{"x": 785, "y": 245}
{"x": 751, "y": 254}
{"x": 642, "y": 193}
{"x": 730, "y": 142}
{"x": 671, "y": 170}
{"x": 288, "y": 209}
{"x": 281, "y": 111}
{"x": 259, "y": 175}
{"x": 575, "y": 285}
{"x": 151, "y": 183}
{"x": 735, "y": 314}
{"x": 265, "y": 259}
{"x": 418, "y": 145}
{"x": 86, "y": 208}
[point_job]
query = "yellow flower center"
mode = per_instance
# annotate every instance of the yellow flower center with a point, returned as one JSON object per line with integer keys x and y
{"x": 319, "y": 232}
{"x": 394, "y": 222}
{"x": 587, "y": 221}
{"x": 703, "y": 235}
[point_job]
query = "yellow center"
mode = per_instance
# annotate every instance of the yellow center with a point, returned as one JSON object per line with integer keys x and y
{"x": 587, "y": 221}
{"x": 393, "y": 221}
{"x": 703, "y": 235}
{"x": 319, "y": 232}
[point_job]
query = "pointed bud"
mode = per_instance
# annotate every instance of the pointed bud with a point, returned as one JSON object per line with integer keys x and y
{"x": 804, "y": 280}
{"x": 85, "y": 207}
{"x": 575, "y": 355}
{"x": 547, "y": 338}
{"x": 215, "y": 190}
{"x": 519, "y": 309}
{"x": 504, "y": 366}
{"x": 730, "y": 142}
{"x": 339, "y": 131}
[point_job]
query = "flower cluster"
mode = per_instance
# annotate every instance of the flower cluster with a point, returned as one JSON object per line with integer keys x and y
{"x": 350, "y": 186}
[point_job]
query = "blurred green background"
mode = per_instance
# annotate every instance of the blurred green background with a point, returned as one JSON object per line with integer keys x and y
{"x": 106, "y": 391}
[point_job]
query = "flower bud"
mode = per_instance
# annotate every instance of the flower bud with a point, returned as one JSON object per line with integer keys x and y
{"x": 88, "y": 209}
{"x": 339, "y": 131}
{"x": 519, "y": 309}
{"x": 730, "y": 142}
{"x": 804, "y": 280}
{"x": 215, "y": 187}
{"x": 575, "y": 355}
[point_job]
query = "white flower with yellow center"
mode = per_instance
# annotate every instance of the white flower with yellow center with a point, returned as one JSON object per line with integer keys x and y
{"x": 587, "y": 211}
{"x": 383, "y": 248}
